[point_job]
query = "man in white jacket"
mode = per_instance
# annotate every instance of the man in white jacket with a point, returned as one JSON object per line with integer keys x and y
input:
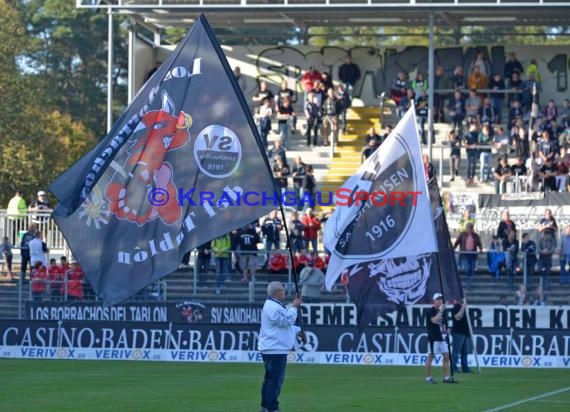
{"x": 276, "y": 339}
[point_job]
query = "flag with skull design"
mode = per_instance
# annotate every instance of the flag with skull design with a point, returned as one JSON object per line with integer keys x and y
{"x": 386, "y": 249}
{"x": 168, "y": 176}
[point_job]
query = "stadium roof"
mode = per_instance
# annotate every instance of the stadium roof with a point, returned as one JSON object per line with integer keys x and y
{"x": 304, "y": 14}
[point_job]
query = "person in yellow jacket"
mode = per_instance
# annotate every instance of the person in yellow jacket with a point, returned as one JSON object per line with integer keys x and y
{"x": 533, "y": 69}
{"x": 221, "y": 247}
{"x": 17, "y": 210}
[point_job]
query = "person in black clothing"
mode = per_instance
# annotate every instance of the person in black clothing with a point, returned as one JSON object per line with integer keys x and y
{"x": 528, "y": 247}
{"x": 25, "y": 250}
{"x": 314, "y": 115}
{"x": 153, "y": 70}
{"x": 296, "y": 232}
{"x": 203, "y": 258}
{"x": 511, "y": 249}
{"x": 471, "y": 140}
{"x": 455, "y": 154}
{"x": 461, "y": 337}
{"x": 349, "y": 74}
{"x": 498, "y": 99}
{"x": 436, "y": 344}
{"x": 372, "y": 135}
{"x": 548, "y": 171}
{"x": 285, "y": 93}
{"x": 298, "y": 172}
{"x": 369, "y": 149}
{"x": 281, "y": 173}
{"x": 309, "y": 189}
{"x": 271, "y": 229}
{"x": 512, "y": 65}
{"x": 247, "y": 244}
{"x": 502, "y": 174}
{"x": 505, "y": 225}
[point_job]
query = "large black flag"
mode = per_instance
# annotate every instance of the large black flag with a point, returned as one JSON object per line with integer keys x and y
{"x": 382, "y": 285}
{"x": 168, "y": 176}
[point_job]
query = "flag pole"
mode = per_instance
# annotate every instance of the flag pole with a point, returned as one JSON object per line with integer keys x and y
{"x": 474, "y": 349}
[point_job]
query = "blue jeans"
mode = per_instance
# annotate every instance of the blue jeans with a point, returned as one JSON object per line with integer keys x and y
{"x": 222, "y": 268}
{"x": 461, "y": 346}
{"x": 469, "y": 261}
{"x": 485, "y": 166}
{"x": 273, "y": 380}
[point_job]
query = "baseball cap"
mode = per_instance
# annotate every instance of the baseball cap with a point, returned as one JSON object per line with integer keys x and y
{"x": 437, "y": 296}
{"x": 42, "y": 193}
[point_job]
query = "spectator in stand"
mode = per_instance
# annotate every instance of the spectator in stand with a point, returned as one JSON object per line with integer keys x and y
{"x": 39, "y": 281}
{"x": 55, "y": 280}
{"x": 495, "y": 257}
{"x": 277, "y": 151}
{"x": 512, "y": 65}
{"x": 203, "y": 258}
{"x": 515, "y": 86}
{"x": 471, "y": 145}
{"x": 547, "y": 227}
{"x": 295, "y": 232}
{"x": 344, "y": 104}
{"x": 506, "y": 225}
{"x": 263, "y": 93}
{"x": 565, "y": 256}
{"x": 419, "y": 84}
{"x": 530, "y": 86}
{"x": 485, "y": 153}
{"x": 314, "y": 115}
{"x": 311, "y": 280}
{"x": 370, "y": 148}
{"x": 284, "y": 93}
{"x": 515, "y": 114}
{"x": 319, "y": 93}
{"x": 247, "y": 245}
{"x": 308, "y": 79}
{"x": 6, "y": 251}
{"x": 477, "y": 80}
{"x": 406, "y": 102}
{"x": 285, "y": 120}
{"x": 349, "y": 74}
{"x": 466, "y": 218}
{"x": 25, "y": 250}
{"x": 528, "y": 248}
{"x": 481, "y": 64}
{"x": 548, "y": 173}
{"x": 455, "y": 154}
{"x": 502, "y": 174}
{"x": 520, "y": 142}
{"x": 16, "y": 212}
{"x": 550, "y": 112}
{"x": 309, "y": 188}
{"x": 422, "y": 116}
{"x": 281, "y": 173}
{"x": 519, "y": 172}
{"x": 42, "y": 205}
{"x": 327, "y": 81}
{"x": 153, "y": 70}
{"x": 461, "y": 337}
{"x": 311, "y": 227}
{"x": 271, "y": 229}
{"x": 501, "y": 142}
{"x": 458, "y": 80}
{"x": 441, "y": 82}
{"x": 562, "y": 168}
{"x": 429, "y": 169}
{"x": 487, "y": 115}
{"x": 468, "y": 243}
{"x": 331, "y": 112}
{"x": 372, "y": 135}
{"x": 63, "y": 267}
{"x": 498, "y": 98}
{"x": 456, "y": 111}
{"x": 520, "y": 295}
{"x": 240, "y": 79}
{"x": 221, "y": 247}
{"x": 387, "y": 132}
{"x": 75, "y": 282}
{"x": 399, "y": 88}
{"x": 532, "y": 69}
{"x": 264, "y": 120}
{"x": 38, "y": 249}
{"x": 472, "y": 106}
{"x": 298, "y": 172}
{"x": 511, "y": 249}
{"x": 547, "y": 148}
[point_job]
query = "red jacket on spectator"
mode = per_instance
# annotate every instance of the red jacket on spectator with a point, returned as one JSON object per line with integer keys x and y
{"x": 308, "y": 79}
{"x": 39, "y": 279}
{"x": 311, "y": 228}
{"x": 62, "y": 271}
{"x": 75, "y": 283}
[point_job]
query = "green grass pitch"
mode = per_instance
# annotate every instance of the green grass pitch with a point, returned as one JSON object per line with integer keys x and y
{"x": 49, "y": 385}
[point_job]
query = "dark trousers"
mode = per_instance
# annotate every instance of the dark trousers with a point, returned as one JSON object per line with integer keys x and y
{"x": 25, "y": 263}
{"x": 273, "y": 380}
{"x": 461, "y": 348}
{"x": 471, "y": 161}
{"x": 312, "y": 127}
